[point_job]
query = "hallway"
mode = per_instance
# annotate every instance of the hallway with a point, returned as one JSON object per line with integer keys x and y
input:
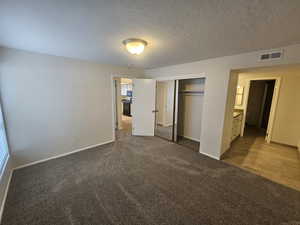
{"x": 126, "y": 130}
{"x": 273, "y": 161}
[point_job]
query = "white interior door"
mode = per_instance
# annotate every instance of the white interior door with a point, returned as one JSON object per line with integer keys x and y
{"x": 143, "y": 107}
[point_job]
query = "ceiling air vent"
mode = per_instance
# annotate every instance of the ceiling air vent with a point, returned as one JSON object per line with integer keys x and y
{"x": 271, "y": 55}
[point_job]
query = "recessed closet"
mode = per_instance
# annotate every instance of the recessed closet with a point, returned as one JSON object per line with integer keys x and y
{"x": 179, "y": 106}
{"x": 189, "y": 112}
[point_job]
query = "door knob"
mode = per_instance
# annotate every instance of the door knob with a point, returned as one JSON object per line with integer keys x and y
{"x": 154, "y": 111}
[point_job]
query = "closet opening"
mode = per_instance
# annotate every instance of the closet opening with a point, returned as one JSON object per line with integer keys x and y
{"x": 189, "y": 112}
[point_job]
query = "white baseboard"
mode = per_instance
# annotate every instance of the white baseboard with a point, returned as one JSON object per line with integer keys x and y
{"x": 193, "y": 139}
{"x": 62, "y": 155}
{"x": 211, "y": 156}
{"x": 40, "y": 161}
{"x": 5, "y": 195}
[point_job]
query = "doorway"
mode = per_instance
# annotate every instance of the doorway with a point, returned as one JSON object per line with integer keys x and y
{"x": 123, "y": 105}
{"x": 265, "y": 127}
{"x": 133, "y": 102}
{"x": 260, "y": 98}
{"x": 170, "y": 109}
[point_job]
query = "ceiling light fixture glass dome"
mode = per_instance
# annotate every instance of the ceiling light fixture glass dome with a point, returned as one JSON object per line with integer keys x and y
{"x": 135, "y": 46}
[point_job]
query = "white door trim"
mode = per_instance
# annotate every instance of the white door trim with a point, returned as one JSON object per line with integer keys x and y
{"x": 114, "y": 108}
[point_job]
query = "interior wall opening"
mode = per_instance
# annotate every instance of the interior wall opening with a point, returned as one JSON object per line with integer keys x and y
{"x": 265, "y": 126}
{"x": 123, "y": 102}
{"x": 189, "y": 112}
{"x": 259, "y": 104}
{"x": 179, "y": 106}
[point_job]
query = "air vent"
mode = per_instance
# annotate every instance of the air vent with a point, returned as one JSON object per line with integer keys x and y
{"x": 271, "y": 56}
{"x": 276, "y": 55}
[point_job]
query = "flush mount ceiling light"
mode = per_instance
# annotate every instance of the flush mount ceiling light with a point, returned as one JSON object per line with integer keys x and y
{"x": 135, "y": 46}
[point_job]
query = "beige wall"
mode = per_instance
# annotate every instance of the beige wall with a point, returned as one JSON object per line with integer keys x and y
{"x": 218, "y": 103}
{"x": 54, "y": 105}
{"x": 286, "y": 127}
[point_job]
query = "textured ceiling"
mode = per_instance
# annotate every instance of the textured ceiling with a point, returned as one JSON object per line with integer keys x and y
{"x": 178, "y": 31}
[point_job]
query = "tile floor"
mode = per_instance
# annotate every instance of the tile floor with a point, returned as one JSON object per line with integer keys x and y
{"x": 276, "y": 162}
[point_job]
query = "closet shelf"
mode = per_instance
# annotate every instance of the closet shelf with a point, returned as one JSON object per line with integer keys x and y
{"x": 192, "y": 92}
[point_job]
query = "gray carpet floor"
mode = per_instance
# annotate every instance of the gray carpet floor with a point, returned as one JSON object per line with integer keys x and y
{"x": 164, "y": 132}
{"x": 145, "y": 180}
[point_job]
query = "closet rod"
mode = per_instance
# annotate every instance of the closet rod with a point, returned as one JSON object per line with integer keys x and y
{"x": 191, "y": 92}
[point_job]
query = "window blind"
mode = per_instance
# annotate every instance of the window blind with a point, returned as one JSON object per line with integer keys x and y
{"x": 4, "y": 153}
